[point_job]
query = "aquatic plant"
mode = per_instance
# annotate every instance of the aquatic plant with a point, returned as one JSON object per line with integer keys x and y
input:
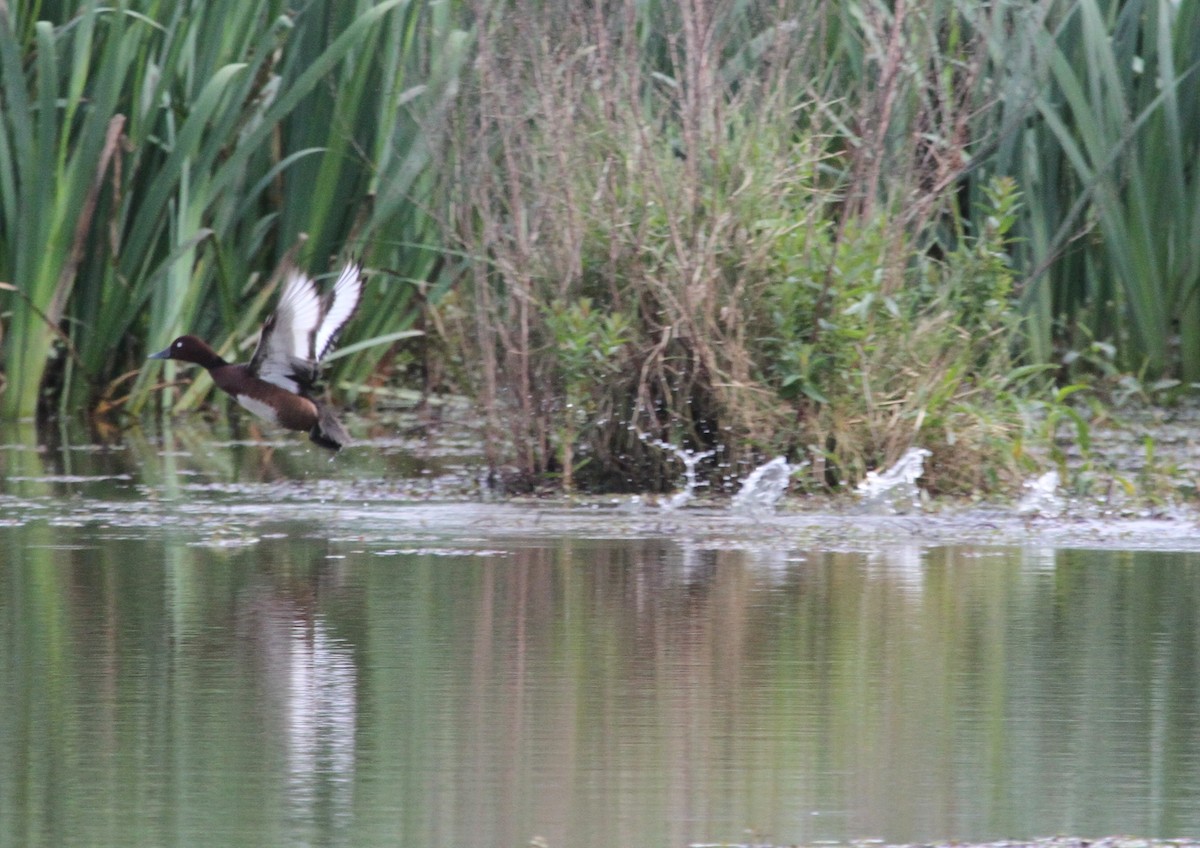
{"x": 827, "y": 231}
{"x": 1096, "y": 118}
{"x": 587, "y": 348}
{"x": 778, "y": 295}
{"x": 809, "y": 214}
{"x": 658, "y": 219}
{"x": 159, "y": 160}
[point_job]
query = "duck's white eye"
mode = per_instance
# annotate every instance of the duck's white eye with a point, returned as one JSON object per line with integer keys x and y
{"x": 179, "y": 343}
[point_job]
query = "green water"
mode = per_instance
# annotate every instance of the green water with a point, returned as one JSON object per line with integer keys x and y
{"x": 245, "y": 645}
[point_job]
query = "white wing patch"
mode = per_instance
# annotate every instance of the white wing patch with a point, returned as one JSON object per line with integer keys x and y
{"x": 303, "y": 327}
{"x": 297, "y": 316}
{"x": 343, "y": 301}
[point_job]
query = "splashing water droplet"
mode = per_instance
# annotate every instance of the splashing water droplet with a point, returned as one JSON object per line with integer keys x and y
{"x": 690, "y": 460}
{"x": 896, "y": 488}
{"x": 764, "y": 487}
{"x": 1042, "y": 497}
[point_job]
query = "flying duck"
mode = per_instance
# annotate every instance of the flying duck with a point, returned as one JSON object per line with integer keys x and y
{"x": 277, "y": 383}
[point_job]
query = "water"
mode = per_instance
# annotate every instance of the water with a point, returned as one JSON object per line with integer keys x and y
{"x": 691, "y": 460}
{"x": 895, "y": 490}
{"x": 1041, "y": 496}
{"x": 242, "y": 645}
{"x": 764, "y": 486}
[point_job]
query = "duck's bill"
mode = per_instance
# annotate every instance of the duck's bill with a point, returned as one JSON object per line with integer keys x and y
{"x": 162, "y": 354}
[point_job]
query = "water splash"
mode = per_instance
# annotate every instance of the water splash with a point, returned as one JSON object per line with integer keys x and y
{"x": 1042, "y": 496}
{"x": 895, "y": 490}
{"x": 690, "y": 459}
{"x": 764, "y": 487}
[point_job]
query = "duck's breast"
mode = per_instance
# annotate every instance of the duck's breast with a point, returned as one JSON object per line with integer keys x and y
{"x": 280, "y": 408}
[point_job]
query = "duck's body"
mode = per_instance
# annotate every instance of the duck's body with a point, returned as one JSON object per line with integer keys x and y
{"x": 277, "y": 383}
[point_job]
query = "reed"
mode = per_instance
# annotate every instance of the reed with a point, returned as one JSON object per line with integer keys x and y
{"x": 158, "y": 162}
{"x": 1098, "y": 123}
{"x": 61, "y": 126}
{"x": 759, "y": 227}
{"x": 727, "y": 184}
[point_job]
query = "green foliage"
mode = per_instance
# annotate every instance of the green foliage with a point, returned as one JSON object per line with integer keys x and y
{"x": 59, "y": 122}
{"x": 593, "y": 202}
{"x": 159, "y": 160}
{"x": 911, "y": 350}
{"x": 784, "y": 291}
{"x": 814, "y": 216}
{"x": 587, "y": 350}
{"x": 586, "y": 343}
{"x": 1096, "y": 118}
{"x": 761, "y": 227}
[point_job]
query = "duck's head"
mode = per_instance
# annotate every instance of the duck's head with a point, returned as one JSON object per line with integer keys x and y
{"x": 190, "y": 349}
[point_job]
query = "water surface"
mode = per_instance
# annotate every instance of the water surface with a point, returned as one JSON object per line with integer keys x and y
{"x": 215, "y": 643}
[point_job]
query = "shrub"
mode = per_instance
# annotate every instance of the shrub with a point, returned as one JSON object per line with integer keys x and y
{"x": 777, "y": 290}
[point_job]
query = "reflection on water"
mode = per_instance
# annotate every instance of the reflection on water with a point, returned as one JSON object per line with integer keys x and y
{"x": 321, "y": 711}
{"x": 397, "y": 674}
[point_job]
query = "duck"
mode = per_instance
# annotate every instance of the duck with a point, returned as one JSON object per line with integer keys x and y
{"x": 277, "y": 384}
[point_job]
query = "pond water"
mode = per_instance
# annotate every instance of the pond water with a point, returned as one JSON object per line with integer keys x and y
{"x": 217, "y": 643}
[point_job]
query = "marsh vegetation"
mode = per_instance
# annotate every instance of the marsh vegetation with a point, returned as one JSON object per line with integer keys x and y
{"x": 824, "y": 230}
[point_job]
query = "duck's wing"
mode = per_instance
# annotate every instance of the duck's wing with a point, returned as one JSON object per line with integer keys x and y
{"x": 338, "y": 308}
{"x": 286, "y": 355}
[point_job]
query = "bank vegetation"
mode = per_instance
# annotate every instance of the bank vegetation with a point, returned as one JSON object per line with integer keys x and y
{"x": 828, "y": 230}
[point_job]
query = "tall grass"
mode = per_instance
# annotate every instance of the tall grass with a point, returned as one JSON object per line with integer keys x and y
{"x": 55, "y": 152}
{"x": 766, "y": 226}
{"x": 577, "y": 186}
{"x": 749, "y": 192}
{"x": 790, "y": 206}
{"x": 1098, "y": 122}
{"x": 159, "y": 160}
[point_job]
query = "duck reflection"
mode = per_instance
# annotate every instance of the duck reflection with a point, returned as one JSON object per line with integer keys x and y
{"x": 322, "y": 712}
{"x": 311, "y": 683}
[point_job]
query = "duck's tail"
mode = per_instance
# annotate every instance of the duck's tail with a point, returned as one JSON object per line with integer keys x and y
{"x": 328, "y": 432}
